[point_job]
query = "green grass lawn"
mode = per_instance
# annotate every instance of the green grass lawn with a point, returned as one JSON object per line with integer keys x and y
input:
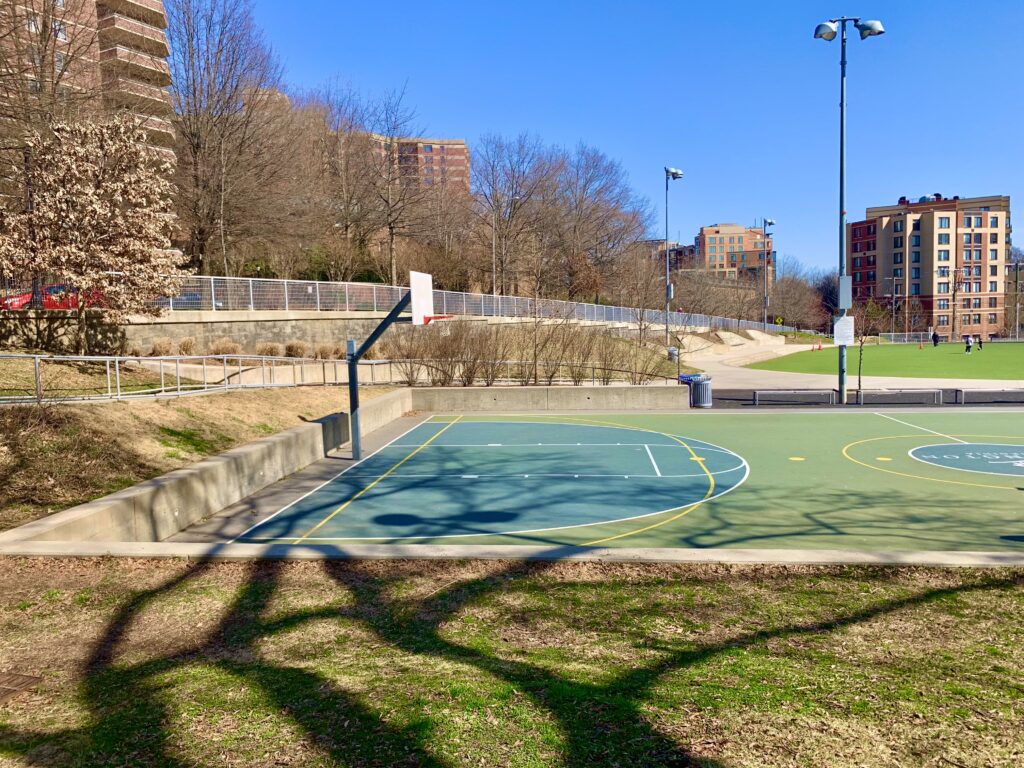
{"x": 995, "y": 361}
{"x": 520, "y": 665}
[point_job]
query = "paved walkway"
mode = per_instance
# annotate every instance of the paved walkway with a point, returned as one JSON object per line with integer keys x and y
{"x": 727, "y": 372}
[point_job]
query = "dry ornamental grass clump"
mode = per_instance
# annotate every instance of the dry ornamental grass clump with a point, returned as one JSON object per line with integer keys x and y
{"x": 225, "y": 346}
{"x": 296, "y": 349}
{"x": 187, "y": 346}
{"x": 162, "y": 347}
{"x": 269, "y": 349}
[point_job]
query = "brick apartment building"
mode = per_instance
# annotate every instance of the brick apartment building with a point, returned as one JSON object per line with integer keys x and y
{"x": 732, "y": 250}
{"x": 435, "y": 161}
{"x": 938, "y": 263}
{"x": 116, "y": 49}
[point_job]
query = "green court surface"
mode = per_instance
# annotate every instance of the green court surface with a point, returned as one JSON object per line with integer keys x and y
{"x": 1002, "y": 360}
{"x": 893, "y": 480}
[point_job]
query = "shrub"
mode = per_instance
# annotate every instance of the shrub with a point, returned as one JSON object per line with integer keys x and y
{"x": 269, "y": 349}
{"x": 326, "y": 352}
{"x": 187, "y": 346}
{"x": 162, "y": 347}
{"x": 340, "y": 352}
{"x": 225, "y": 346}
{"x": 133, "y": 351}
{"x": 296, "y": 349}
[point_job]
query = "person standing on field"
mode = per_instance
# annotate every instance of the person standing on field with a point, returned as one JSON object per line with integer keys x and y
{"x": 980, "y": 345}
{"x": 935, "y": 338}
{"x": 968, "y": 343}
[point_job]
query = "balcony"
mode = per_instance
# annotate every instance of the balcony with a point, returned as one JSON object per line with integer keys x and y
{"x": 115, "y": 30}
{"x": 146, "y": 98}
{"x": 149, "y": 11}
{"x": 135, "y": 65}
{"x": 160, "y": 132}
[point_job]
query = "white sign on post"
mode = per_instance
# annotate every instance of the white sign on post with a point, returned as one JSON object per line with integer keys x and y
{"x": 844, "y": 333}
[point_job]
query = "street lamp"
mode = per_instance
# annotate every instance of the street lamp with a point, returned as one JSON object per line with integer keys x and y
{"x": 671, "y": 174}
{"x": 764, "y": 267}
{"x": 828, "y": 31}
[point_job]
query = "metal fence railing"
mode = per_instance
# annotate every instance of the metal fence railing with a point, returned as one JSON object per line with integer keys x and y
{"x": 257, "y": 294}
{"x": 39, "y": 379}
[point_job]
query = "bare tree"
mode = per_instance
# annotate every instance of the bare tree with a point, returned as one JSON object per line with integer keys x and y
{"x": 233, "y": 126}
{"x": 396, "y": 182}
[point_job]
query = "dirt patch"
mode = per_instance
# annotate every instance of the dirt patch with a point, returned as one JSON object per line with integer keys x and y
{"x": 55, "y": 457}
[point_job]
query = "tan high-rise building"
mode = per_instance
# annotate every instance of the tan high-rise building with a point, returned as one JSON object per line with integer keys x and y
{"x": 732, "y": 250}
{"x": 937, "y": 263}
{"x": 112, "y": 52}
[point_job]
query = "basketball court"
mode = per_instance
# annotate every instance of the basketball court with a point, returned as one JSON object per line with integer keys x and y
{"x": 894, "y": 480}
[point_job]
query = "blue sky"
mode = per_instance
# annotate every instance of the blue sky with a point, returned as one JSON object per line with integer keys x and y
{"x": 737, "y": 94}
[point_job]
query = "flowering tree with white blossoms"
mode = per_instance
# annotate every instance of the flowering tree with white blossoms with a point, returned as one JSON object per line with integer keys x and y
{"x": 95, "y": 215}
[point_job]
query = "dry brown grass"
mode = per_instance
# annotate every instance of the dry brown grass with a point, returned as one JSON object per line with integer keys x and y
{"x": 55, "y": 457}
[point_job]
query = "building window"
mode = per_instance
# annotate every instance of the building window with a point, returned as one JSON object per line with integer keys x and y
{"x": 871, "y": 261}
{"x": 915, "y": 289}
{"x": 871, "y": 245}
{"x": 977, "y": 238}
{"x": 857, "y": 276}
{"x": 732, "y": 240}
{"x": 993, "y": 270}
{"x": 898, "y": 272}
{"x": 977, "y": 319}
{"x": 977, "y": 270}
{"x": 428, "y": 147}
{"x": 897, "y": 226}
{"x": 871, "y": 277}
{"x": 975, "y": 303}
{"x": 977, "y": 254}
{"x": 33, "y": 23}
{"x": 897, "y": 258}
{"x": 991, "y": 317}
{"x": 915, "y": 257}
{"x": 943, "y": 287}
{"x": 856, "y": 261}
{"x": 943, "y": 271}
{"x": 977, "y": 221}
{"x": 915, "y": 240}
{"x": 857, "y": 232}
{"x": 967, "y": 221}
{"x": 915, "y": 273}
{"x": 60, "y": 61}
{"x": 977, "y": 286}
{"x": 993, "y": 302}
{"x": 943, "y": 303}
{"x": 897, "y": 242}
{"x": 740, "y": 239}
{"x": 871, "y": 229}
{"x": 917, "y": 225}
{"x": 944, "y": 239}
{"x": 944, "y": 255}
{"x": 943, "y": 320}
{"x": 967, "y": 238}
{"x": 943, "y": 222}
{"x": 993, "y": 237}
{"x": 993, "y": 286}
{"x": 60, "y": 30}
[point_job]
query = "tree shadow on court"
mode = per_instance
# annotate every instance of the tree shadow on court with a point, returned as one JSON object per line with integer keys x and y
{"x": 129, "y": 721}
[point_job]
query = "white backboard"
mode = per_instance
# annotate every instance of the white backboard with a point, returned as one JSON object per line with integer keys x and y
{"x": 421, "y": 286}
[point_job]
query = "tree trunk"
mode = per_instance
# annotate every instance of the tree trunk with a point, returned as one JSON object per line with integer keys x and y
{"x": 83, "y": 328}
{"x": 392, "y": 264}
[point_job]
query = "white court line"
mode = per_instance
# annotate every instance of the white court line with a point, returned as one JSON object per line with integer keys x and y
{"x": 561, "y": 445}
{"x": 923, "y": 429}
{"x": 327, "y": 482}
{"x": 514, "y": 475}
{"x": 651, "y": 455}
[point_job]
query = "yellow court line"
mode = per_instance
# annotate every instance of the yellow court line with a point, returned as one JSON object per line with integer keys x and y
{"x": 315, "y": 528}
{"x": 693, "y": 457}
{"x": 925, "y": 477}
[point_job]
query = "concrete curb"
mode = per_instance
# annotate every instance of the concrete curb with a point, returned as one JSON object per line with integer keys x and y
{"x": 188, "y": 551}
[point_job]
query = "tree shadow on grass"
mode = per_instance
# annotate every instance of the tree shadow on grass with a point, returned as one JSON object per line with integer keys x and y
{"x": 129, "y": 722}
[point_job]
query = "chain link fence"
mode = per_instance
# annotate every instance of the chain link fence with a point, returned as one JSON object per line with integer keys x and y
{"x": 203, "y": 293}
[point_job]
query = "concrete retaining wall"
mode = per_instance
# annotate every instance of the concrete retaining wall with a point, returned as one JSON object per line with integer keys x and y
{"x": 505, "y": 399}
{"x": 158, "y": 508}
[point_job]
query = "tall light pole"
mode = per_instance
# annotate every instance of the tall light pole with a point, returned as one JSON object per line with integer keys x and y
{"x": 828, "y": 31}
{"x": 494, "y": 250}
{"x": 671, "y": 174}
{"x": 764, "y": 267}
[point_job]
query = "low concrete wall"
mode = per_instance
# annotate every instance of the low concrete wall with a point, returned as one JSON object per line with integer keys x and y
{"x": 504, "y": 399}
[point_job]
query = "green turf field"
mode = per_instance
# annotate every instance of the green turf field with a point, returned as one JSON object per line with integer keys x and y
{"x": 863, "y": 480}
{"x": 947, "y": 361}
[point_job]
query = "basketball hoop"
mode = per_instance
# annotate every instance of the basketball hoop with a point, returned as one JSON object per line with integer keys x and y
{"x": 442, "y": 319}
